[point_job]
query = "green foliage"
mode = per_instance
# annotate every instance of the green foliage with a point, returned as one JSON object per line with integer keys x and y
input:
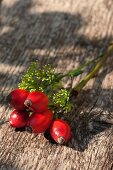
{"x": 46, "y": 80}
{"x": 62, "y": 100}
{"x": 39, "y": 78}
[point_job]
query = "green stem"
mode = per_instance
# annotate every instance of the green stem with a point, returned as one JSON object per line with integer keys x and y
{"x": 80, "y": 69}
{"x": 95, "y": 70}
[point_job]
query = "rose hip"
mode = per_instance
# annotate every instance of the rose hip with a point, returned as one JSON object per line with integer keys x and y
{"x": 18, "y": 119}
{"x": 17, "y": 98}
{"x": 40, "y": 122}
{"x": 60, "y": 131}
{"x": 37, "y": 101}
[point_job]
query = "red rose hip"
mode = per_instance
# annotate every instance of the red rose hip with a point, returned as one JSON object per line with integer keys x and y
{"x": 60, "y": 131}
{"x": 18, "y": 119}
{"x": 40, "y": 122}
{"x": 17, "y": 98}
{"x": 37, "y": 101}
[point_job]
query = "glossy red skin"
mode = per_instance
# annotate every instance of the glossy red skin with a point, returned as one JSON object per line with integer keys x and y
{"x": 18, "y": 119}
{"x": 60, "y": 128}
{"x": 39, "y": 101}
{"x": 17, "y": 98}
{"x": 40, "y": 122}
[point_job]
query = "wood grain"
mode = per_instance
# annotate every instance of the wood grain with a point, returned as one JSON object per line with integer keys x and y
{"x": 64, "y": 34}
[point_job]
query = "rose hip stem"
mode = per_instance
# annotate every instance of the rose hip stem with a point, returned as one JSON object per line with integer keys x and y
{"x": 81, "y": 69}
{"x": 95, "y": 70}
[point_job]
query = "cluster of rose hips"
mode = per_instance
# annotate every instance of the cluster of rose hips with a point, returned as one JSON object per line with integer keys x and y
{"x": 31, "y": 111}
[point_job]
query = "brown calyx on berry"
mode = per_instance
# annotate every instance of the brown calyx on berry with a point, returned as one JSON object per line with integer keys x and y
{"x": 61, "y": 140}
{"x": 28, "y": 103}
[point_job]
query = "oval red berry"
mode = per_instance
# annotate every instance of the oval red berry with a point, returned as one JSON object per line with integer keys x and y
{"x": 37, "y": 101}
{"x": 60, "y": 130}
{"x": 17, "y": 98}
{"x": 40, "y": 122}
{"x": 18, "y": 119}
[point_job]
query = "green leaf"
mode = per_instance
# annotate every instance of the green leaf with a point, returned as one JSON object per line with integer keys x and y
{"x": 75, "y": 73}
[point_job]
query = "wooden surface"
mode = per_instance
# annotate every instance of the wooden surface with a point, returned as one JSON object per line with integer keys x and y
{"x": 63, "y": 33}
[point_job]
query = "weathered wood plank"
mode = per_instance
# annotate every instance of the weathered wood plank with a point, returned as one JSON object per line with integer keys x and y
{"x": 64, "y": 34}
